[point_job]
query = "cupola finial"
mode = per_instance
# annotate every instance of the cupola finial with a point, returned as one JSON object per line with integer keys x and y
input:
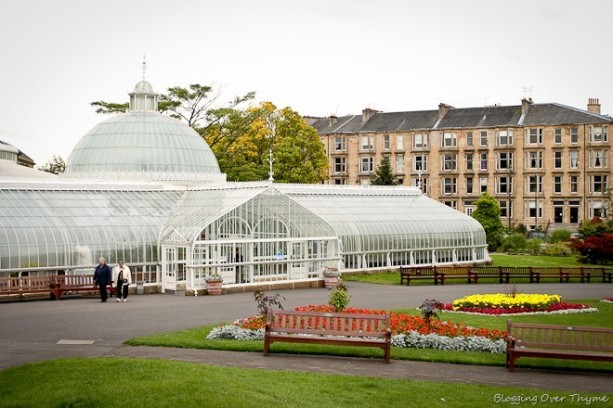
{"x": 144, "y": 66}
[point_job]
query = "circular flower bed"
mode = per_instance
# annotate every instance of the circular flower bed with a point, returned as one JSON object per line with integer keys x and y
{"x": 506, "y": 304}
{"x": 607, "y": 299}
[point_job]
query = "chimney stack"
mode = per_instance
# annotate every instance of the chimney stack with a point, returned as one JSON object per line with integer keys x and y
{"x": 525, "y": 105}
{"x": 333, "y": 120}
{"x": 443, "y": 109}
{"x": 593, "y": 105}
{"x": 367, "y": 113}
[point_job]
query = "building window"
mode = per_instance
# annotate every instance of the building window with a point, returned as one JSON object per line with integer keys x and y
{"x": 557, "y": 136}
{"x": 469, "y": 161}
{"x": 574, "y": 159}
{"x": 366, "y": 165}
{"x": 450, "y": 162}
{"x": 400, "y": 163}
{"x": 504, "y": 185}
{"x": 386, "y": 142}
{"x": 597, "y": 134}
{"x": 598, "y": 158}
{"x": 598, "y": 210}
{"x": 483, "y": 161}
{"x": 483, "y": 184}
{"x": 468, "y": 209}
{"x": 505, "y": 161}
{"x": 534, "y": 183}
{"x": 367, "y": 142}
{"x": 420, "y": 163}
{"x": 399, "y": 142}
{"x": 339, "y": 182}
{"x": 450, "y": 139}
{"x": 420, "y": 140}
{"x": 574, "y": 135}
{"x": 599, "y": 183}
{"x": 450, "y": 185}
{"x": 340, "y": 144}
{"x": 340, "y": 165}
{"x": 504, "y": 211}
{"x": 505, "y": 138}
{"x": 557, "y": 184}
{"x": 483, "y": 140}
{"x": 469, "y": 185}
{"x": 574, "y": 184}
{"x": 557, "y": 159}
{"x": 535, "y": 136}
{"x": 469, "y": 138}
{"x": 535, "y": 160}
{"x": 532, "y": 209}
{"x": 451, "y": 203}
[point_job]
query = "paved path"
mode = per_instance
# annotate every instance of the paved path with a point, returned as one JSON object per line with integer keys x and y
{"x": 30, "y": 331}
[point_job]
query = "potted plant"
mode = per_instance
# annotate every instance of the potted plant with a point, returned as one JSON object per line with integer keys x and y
{"x": 332, "y": 277}
{"x": 213, "y": 284}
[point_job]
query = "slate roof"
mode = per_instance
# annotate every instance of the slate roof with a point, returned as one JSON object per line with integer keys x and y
{"x": 459, "y": 118}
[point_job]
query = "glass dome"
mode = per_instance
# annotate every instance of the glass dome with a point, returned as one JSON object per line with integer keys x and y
{"x": 143, "y": 144}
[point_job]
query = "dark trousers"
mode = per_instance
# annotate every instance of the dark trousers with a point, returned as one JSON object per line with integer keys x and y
{"x": 122, "y": 289}
{"x": 103, "y": 294}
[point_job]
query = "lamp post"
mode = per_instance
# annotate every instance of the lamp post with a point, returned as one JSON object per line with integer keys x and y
{"x": 509, "y": 187}
{"x": 536, "y": 203}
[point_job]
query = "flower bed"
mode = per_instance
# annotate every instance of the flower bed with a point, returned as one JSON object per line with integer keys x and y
{"x": 607, "y": 300}
{"x": 504, "y": 304}
{"x": 407, "y": 331}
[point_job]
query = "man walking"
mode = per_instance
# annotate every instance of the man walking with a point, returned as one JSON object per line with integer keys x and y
{"x": 102, "y": 277}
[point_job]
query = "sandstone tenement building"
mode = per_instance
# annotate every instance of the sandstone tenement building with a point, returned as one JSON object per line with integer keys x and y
{"x": 548, "y": 165}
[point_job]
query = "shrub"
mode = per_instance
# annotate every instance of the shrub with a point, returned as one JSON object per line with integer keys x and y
{"x": 339, "y": 298}
{"x": 265, "y": 302}
{"x": 430, "y": 308}
{"x": 533, "y": 246}
{"x": 515, "y": 244}
{"x": 556, "y": 249}
{"x": 559, "y": 235}
{"x": 595, "y": 249}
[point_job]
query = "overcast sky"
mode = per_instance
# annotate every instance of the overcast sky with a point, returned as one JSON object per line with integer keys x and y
{"x": 320, "y": 57}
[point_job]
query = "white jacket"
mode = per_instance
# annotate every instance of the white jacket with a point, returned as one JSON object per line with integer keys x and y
{"x": 126, "y": 273}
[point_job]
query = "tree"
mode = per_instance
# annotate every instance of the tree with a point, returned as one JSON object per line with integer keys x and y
{"x": 56, "y": 165}
{"x": 487, "y": 212}
{"x": 242, "y": 138}
{"x": 243, "y": 142}
{"x": 383, "y": 175}
{"x": 596, "y": 245}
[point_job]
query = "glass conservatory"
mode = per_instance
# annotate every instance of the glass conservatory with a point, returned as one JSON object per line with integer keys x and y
{"x": 157, "y": 200}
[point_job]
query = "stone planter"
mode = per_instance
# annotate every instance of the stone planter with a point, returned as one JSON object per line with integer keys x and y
{"x": 213, "y": 288}
{"x": 331, "y": 282}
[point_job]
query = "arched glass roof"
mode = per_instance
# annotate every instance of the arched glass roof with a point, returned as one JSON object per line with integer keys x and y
{"x": 48, "y": 228}
{"x": 387, "y": 218}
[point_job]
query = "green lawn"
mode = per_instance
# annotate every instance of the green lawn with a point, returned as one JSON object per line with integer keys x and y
{"x": 125, "y": 383}
{"x": 195, "y": 338}
{"x": 393, "y": 277}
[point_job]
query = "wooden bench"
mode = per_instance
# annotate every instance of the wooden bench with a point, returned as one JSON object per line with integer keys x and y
{"x": 536, "y": 274}
{"x": 75, "y": 283}
{"x": 24, "y": 285}
{"x": 346, "y": 329}
{"x": 491, "y": 272}
{"x": 407, "y": 274}
{"x": 606, "y": 274}
{"x": 558, "y": 341}
{"x": 461, "y": 272}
